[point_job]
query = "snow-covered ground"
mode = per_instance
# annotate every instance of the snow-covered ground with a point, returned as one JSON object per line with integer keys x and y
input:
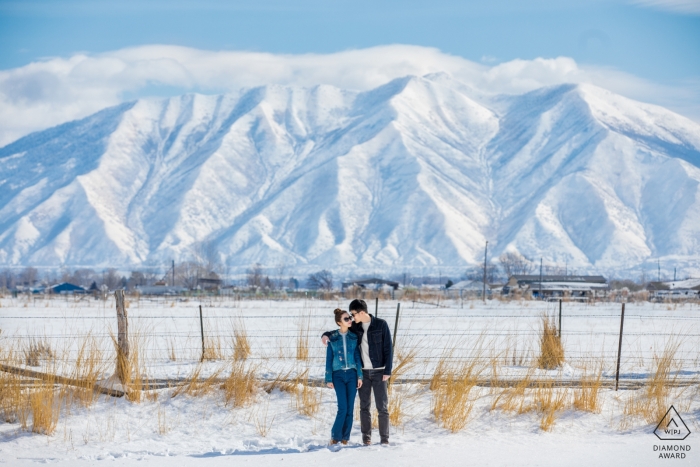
{"x": 186, "y": 430}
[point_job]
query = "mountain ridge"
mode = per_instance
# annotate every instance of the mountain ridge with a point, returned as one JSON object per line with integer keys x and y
{"x": 418, "y": 172}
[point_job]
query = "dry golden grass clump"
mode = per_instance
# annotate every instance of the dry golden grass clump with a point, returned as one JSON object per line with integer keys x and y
{"x": 551, "y": 350}
{"x": 241, "y": 344}
{"x": 549, "y": 402}
{"x": 452, "y": 402}
{"x": 45, "y": 406}
{"x": 240, "y": 386}
{"x": 214, "y": 349}
{"x": 303, "y": 338}
{"x": 406, "y": 360}
{"x": 307, "y": 398}
{"x": 651, "y": 403}
{"x": 513, "y": 399}
{"x": 587, "y": 396}
{"x": 196, "y": 386}
{"x": 36, "y": 352}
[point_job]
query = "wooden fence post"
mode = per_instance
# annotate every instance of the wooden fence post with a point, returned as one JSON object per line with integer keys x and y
{"x": 619, "y": 347}
{"x": 376, "y": 307}
{"x": 396, "y": 327}
{"x": 560, "y": 318}
{"x": 123, "y": 367}
{"x": 201, "y": 328}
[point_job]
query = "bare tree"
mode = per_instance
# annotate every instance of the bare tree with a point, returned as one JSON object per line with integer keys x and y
{"x": 206, "y": 255}
{"x": 515, "y": 264}
{"x": 111, "y": 279}
{"x": 477, "y": 273}
{"x": 255, "y": 277}
{"x": 187, "y": 274}
{"x": 320, "y": 280}
{"x": 28, "y": 276}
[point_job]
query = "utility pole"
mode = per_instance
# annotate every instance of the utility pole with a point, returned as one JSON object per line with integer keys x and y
{"x": 486, "y": 251}
{"x": 540, "y": 292}
{"x": 658, "y": 265}
{"x": 173, "y": 281}
{"x": 674, "y": 274}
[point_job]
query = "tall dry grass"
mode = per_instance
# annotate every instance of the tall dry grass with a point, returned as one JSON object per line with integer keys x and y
{"x": 196, "y": 386}
{"x": 651, "y": 403}
{"x": 241, "y": 344}
{"x": 549, "y": 402}
{"x": 302, "y": 347}
{"x": 307, "y": 398}
{"x": 240, "y": 386}
{"x": 586, "y": 397}
{"x": 551, "y": 349}
{"x": 452, "y": 402}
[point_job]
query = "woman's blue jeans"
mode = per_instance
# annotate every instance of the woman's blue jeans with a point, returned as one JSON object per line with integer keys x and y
{"x": 345, "y": 384}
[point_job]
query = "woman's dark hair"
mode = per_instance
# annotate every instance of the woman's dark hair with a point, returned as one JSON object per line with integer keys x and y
{"x": 358, "y": 305}
{"x": 339, "y": 315}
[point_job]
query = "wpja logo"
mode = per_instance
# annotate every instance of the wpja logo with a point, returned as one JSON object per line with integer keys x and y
{"x": 672, "y": 428}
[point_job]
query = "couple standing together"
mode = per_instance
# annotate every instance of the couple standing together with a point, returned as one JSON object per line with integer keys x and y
{"x": 359, "y": 358}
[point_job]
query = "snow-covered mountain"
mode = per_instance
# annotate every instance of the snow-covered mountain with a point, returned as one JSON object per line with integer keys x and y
{"x": 418, "y": 172}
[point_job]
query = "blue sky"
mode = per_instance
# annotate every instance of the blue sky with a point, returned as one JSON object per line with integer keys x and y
{"x": 654, "y": 43}
{"x": 658, "y": 43}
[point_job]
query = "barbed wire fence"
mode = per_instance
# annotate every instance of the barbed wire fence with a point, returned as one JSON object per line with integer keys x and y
{"x": 169, "y": 332}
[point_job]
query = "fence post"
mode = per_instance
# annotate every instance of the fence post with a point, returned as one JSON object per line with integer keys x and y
{"x": 201, "y": 328}
{"x": 376, "y": 307}
{"x": 123, "y": 369}
{"x": 619, "y": 348}
{"x": 560, "y": 318}
{"x": 396, "y": 327}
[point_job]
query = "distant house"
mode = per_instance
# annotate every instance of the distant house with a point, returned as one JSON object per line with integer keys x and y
{"x": 557, "y": 286}
{"x": 209, "y": 283}
{"x": 676, "y": 290}
{"x": 160, "y": 290}
{"x": 372, "y": 284}
{"x": 468, "y": 288}
{"x": 65, "y": 288}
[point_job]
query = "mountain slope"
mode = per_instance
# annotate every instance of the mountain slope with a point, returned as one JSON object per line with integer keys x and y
{"x": 419, "y": 172}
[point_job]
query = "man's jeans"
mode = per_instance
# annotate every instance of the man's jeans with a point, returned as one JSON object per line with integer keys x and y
{"x": 372, "y": 382}
{"x": 345, "y": 385}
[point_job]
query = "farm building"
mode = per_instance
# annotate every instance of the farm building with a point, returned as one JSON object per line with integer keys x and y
{"x": 576, "y": 287}
{"x": 675, "y": 290}
{"x": 372, "y": 284}
{"x": 65, "y": 288}
{"x": 468, "y": 288}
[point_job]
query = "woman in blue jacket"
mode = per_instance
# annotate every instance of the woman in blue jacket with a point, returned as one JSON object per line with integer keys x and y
{"x": 343, "y": 373}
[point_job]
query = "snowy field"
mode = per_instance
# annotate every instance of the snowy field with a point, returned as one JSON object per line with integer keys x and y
{"x": 501, "y": 337}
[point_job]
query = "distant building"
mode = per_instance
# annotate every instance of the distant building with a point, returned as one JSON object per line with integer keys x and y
{"x": 468, "y": 288}
{"x": 65, "y": 288}
{"x": 371, "y": 284}
{"x": 557, "y": 286}
{"x": 160, "y": 290}
{"x": 676, "y": 290}
{"x": 209, "y": 283}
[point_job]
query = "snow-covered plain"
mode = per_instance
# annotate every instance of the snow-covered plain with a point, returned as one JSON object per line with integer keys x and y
{"x": 201, "y": 431}
{"x": 419, "y": 172}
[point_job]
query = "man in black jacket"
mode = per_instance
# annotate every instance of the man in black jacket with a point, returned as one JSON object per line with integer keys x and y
{"x": 377, "y": 358}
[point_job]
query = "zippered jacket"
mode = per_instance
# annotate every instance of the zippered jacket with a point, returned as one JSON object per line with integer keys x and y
{"x": 381, "y": 352}
{"x": 339, "y": 358}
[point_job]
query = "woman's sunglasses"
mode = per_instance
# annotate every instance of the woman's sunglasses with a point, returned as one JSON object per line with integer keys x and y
{"x": 346, "y": 319}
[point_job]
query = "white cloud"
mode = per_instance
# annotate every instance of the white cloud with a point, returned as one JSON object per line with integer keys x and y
{"x": 680, "y": 6}
{"x": 56, "y": 90}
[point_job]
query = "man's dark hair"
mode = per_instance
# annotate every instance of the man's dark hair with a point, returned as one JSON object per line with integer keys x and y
{"x": 358, "y": 305}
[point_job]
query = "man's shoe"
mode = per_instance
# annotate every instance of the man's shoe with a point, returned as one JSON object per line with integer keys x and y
{"x": 366, "y": 441}
{"x": 344, "y": 442}
{"x": 385, "y": 442}
{"x": 333, "y": 442}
